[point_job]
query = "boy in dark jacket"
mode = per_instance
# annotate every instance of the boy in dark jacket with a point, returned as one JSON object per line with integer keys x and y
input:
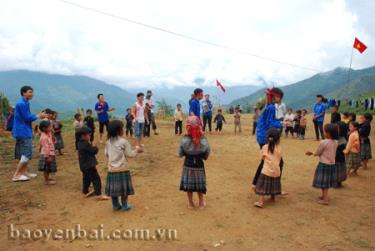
{"x": 87, "y": 163}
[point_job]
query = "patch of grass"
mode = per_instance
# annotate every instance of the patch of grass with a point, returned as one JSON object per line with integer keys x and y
{"x": 363, "y": 244}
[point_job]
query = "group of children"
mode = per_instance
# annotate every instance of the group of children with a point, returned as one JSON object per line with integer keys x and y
{"x": 345, "y": 146}
{"x": 50, "y": 142}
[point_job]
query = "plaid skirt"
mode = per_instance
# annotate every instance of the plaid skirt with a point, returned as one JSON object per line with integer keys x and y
{"x": 193, "y": 180}
{"x": 46, "y": 167}
{"x": 366, "y": 150}
{"x": 119, "y": 184}
{"x": 325, "y": 176}
{"x": 353, "y": 161}
{"x": 341, "y": 171}
{"x": 59, "y": 144}
{"x": 267, "y": 185}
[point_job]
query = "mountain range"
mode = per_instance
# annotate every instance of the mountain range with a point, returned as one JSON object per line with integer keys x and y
{"x": 63, "y": 93}
{"x": 331, "y": 84}
{"x": 66, "y": 93}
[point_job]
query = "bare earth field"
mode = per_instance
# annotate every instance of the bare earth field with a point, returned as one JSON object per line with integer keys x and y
{"x": 294, "y": 222}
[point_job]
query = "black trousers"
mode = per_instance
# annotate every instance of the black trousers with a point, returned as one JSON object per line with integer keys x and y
{"x": 76, "y": 139}
{"x": 303, "y": 130}
{"x": 91, "y": 176}
{"x": 178, "y": 127}
{"x": 289, "y": 129}
{"x": 147, "y": 130}
{"x": 259, "y": 171}
{"x": 129, "y": 130}
{"x": 207, "y": 119}
{"x": 254, "y": 127}
{"x": 153, "y": 123}
{"x": 318, "y": 128}
{"x": 219, "y": 126}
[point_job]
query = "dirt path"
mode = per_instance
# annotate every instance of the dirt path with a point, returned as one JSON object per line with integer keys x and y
{"x": 294, "y": 222}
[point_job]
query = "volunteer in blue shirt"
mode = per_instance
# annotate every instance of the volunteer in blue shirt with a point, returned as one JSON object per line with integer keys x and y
{"x": 22, "y": 132}
{"x": 102, "y": 108}
{"x": 195, "y": 106}
{"x": 318, "y": 119}
{"x": 207, "y": 107}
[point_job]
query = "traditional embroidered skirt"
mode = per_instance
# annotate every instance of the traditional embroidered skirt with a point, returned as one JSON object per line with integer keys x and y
{"x": 119, "y": 184}
{"x": 59, "y": 144}
{"x": 44, "y": 166}
{"x": 193, "y": 180}
{"x": 366, "y": 150}
{"x": 267, "y": 185}
{"x": 325, "y": 176}
{"x": 341, "y": 171}
{"x": 353, "y": 161}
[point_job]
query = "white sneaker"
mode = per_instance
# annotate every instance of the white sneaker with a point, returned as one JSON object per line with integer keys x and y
{"x": 21, "y": 178}
{"x": 32, "y": 175}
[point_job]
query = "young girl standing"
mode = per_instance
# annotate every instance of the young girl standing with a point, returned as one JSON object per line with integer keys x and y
{"x": 269, "y": 182}
{"x": 47, "y": 161}
{"x": 57, "y": 130}
{"x": 195, "y": 148}
{"x": 352, "y": 150}
{"x": 237, "y": 120}
{"x": 289, "y": 121}
{"x": 340, "y": 156}
{"x": 325, "y": 174}
{"x": 303, "y": 123}
{"x": 117, "y": 150}
{"x": 364, "y": 133}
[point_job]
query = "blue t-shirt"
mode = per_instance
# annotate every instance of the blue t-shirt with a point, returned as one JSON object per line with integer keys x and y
{"x": 207, "y": 108}
{"x": 318, "y": 109}
{"x": 266, "y": 121}
{"x": 195, "y": 107}
{"x": 23, "y": 119}
{"x": 10, "y": 120}
{"x": 103, "y": 109}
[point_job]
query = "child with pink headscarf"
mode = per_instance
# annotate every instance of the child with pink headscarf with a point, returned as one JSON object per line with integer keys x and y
{"x": 195, "y": 148}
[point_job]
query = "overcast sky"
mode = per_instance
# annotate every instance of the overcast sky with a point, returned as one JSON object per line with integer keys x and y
{"x": 58, "y": 38}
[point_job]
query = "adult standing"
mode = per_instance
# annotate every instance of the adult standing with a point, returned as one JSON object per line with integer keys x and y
{"x": 195, "y": 107}
{"x": 22, "y": 132}
{"x": 207, "y": 107}
{"x": 148, "y": 100}
{"x": 102, "y": 108}
{"x": 318, "y": 119}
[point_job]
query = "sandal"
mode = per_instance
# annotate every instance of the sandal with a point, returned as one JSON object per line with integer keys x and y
{"x": 258, "y": 204}
{"x": 20, "y": 178}
{"x": 322, "y": 202}
{"x": 89, "y": 194}
{"x": 102, "y": 197}
{"x": 50, "y": 182}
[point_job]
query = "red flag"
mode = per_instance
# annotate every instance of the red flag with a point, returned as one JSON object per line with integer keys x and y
{"x": 361, "y": 47}
{"x": 220, "y": 85}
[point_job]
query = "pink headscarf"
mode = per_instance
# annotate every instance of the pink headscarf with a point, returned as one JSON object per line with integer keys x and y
{"x": 193, "y": 128}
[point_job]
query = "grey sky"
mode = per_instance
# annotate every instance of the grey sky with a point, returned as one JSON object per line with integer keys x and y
{"x": 55, "y": 37}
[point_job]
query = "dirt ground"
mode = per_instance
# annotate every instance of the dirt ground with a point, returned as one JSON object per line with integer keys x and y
{"x": 293, "y": 222}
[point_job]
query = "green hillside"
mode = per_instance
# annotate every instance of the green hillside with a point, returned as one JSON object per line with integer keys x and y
{"x": 63, "y": 93}
{"x": 331, "y": 84}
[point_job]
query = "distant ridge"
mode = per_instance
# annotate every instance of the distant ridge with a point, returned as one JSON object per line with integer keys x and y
{"x": 332, "y": 84}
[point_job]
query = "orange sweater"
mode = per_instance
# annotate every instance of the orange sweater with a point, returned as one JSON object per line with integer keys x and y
{"x": 353, "y": 145}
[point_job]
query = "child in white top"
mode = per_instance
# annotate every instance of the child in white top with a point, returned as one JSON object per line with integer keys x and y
{"x": 117, "y": 150}
{"x": 288, "y": 121}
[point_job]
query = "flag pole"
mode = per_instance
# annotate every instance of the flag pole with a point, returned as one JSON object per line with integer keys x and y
{"x": 350, "y": 65}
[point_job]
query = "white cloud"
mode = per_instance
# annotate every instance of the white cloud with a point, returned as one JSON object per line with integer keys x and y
{"x": 56, "y": 37}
